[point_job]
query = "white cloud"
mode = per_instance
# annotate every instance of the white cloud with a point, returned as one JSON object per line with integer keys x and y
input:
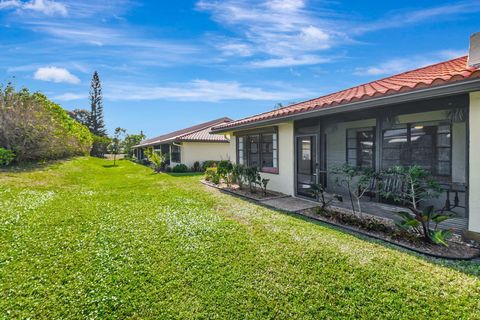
{"x": 200, "y": 90}
{"x": 401, "y": 19}
{"x": 276, "y": 30}
{"x": 286, "y": 5}
{"x": 69, "y": 96}
{"x": 54, "y": 74}
{"x": 47, "y": 7}
{"x": 289, "y": 61}
{"x": 398, "y": 65}
{"x": 10, "y": 4}
{"x": 236, "y": 49}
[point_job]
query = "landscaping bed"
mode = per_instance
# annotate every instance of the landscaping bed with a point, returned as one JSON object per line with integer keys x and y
{"x": 386, "y": 230}
{"x": 245, "y": 192}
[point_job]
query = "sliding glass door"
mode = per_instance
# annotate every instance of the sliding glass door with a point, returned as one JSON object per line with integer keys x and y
{"x": 307, "y": 164}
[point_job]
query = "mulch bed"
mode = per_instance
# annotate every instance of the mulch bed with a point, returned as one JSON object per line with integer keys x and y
{"x": 385, "y": 230}
{"x": 245, "y": 192}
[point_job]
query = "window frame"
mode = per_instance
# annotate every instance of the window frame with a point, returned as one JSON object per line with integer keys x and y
{"x": 357, "y": 145}
{"x": 434, "y": 145}
{"x": 245, "y": 136}
{"x": 172, "y": 153}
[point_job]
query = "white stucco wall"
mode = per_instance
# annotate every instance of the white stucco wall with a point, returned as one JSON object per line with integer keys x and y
{"x": 283, "y": 181}
{"x": 202, "y": 151}
{"x": 474, "y": 168}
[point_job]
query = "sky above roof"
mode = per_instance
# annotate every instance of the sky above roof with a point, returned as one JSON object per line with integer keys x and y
{"x": 166, "y": 65}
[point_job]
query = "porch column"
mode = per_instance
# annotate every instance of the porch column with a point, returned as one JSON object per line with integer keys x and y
{"x": 474, "y": 165}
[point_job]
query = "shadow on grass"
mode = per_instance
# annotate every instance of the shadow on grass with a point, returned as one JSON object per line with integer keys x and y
{"x": 110, "y": 165}
{"x": 184, "y": 174}
{"x": 33, "y": 166}
{"x": 469, "y": 267}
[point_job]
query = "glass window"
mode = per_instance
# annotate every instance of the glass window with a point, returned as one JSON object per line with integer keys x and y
{"x": 361, "y": 147}
{"x": 423, "y": 144}
{"x": 259, "y": 150}
{"x": 175, "y": 153}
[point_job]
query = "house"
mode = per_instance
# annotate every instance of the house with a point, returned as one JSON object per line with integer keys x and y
{"x": 191, "y": 144}
{"x": 428, "y": 117}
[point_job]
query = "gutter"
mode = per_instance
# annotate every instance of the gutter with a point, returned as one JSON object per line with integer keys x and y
{"x": 420, "y": 94}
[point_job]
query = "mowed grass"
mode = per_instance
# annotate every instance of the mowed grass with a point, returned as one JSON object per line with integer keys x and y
{"x": 81, "y": 240}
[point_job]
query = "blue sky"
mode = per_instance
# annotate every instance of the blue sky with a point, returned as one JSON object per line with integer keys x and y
{"x": 166, "y": 65}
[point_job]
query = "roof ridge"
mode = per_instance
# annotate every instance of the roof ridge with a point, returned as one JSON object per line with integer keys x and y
{"x": 211, "y": 125}
{"x": 191, "y": 129}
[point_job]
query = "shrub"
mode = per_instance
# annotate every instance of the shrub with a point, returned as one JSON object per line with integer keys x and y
{"x": 100, "y": 146}
{"x": 239, "y": 174}
{"x": 208, "y": 164}
{"x": 419, "y": 186}
{"x": 216, "y": 178}
{"x": 356, "y": 180}
{"x": 179, "y": 168}
{"x": 35, "y": 128}
{"x": 225, "y": 171}
{"x": 6, "y": 157}
{"x": 252, "y": 176}
{"x": 263, "y": 183}
{"x": 156, "y": 159}
{"x": 209, "y": 173}
{"x": 196, "y": 167}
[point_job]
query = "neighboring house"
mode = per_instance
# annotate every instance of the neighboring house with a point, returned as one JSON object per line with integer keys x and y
{"x": 428, "y": 117}
{"x": 190, "y": 144}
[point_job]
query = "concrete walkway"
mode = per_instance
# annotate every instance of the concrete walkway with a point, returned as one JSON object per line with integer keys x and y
{"x": 289, "y": 204}
{"x": 382, "y": 210}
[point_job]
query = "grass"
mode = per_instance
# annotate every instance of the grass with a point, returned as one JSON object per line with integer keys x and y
{"x": 78, "y": 240}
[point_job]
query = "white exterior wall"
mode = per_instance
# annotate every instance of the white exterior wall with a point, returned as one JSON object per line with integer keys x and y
{"x": 474, "y": 168}
{"x": 283, "y": 181}
{"x": 202, "y": 151}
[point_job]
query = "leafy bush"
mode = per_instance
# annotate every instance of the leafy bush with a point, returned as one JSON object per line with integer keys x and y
{"x": 209, "y": 173}
{"x": 179, "y": 168}
{"x": 208, "y": 164}
{"x": 196, "y": 167}
{"x": 356, "y": 180}
{"x": 35, "y": 128}
{"x": 419, "y": 186}
{"x": 216, "y": 178}
{"x": 225, "y": 171}
{"x": 263, "y": 183}
{"x": 100, "y": 146}
{"x": 6, "y": 157}
{"x": 318, "y": 191}
{"x": 252, "y": 176}
{"x": 156, "y": 159}
{"x": 239, "y": 174}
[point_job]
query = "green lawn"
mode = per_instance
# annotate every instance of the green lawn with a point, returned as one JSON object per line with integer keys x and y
{"x": 80, "y": 239}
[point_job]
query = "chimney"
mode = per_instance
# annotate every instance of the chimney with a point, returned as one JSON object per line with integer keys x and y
{"x": 474, "y": 51}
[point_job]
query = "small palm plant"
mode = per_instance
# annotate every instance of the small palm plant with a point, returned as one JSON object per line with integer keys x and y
{"x": 156, "y": 158}
{"x": 419, "y": 186}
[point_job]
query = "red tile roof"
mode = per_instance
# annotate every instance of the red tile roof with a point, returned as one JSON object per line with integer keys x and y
{"x": 197, "y": 133}
{"x": 429, "y": 76}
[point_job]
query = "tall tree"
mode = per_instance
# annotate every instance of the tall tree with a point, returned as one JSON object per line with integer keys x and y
{"x": 96, "y": 123}
{"x": 81, "y": 115}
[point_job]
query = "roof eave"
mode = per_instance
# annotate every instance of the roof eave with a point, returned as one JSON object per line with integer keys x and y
{"x": 419, "y": 94}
